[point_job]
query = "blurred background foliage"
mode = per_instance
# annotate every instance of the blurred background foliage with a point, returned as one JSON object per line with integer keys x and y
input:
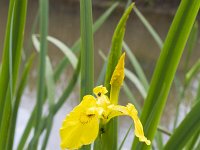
{"x": 53, "y": 90}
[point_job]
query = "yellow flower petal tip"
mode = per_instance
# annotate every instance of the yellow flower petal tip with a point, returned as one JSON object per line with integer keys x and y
{"x": 100, "y": 90}
{"x": 118, "y": 74}
{"x": 138, "y": 125}
{"x": 148, "y": 142}
{"x": 79, "y": 127}
{"x": 102, "y": 99}
{"x": 144, "y": 139}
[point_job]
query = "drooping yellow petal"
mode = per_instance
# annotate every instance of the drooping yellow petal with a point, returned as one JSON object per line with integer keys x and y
{"x": 118, "y": 110}
{"x": 118, "y": 74}
{"x": 80, "y": 127}
{"x": 138, "y": 125}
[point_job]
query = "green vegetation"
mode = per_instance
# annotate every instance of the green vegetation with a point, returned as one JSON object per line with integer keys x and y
{"x": 182, "y": 35}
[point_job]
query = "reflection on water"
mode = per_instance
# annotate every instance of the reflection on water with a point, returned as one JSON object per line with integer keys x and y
{"x": 64, "y": 25}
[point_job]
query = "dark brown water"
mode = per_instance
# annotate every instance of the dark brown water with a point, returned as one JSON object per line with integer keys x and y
{"x": 64, "y": 24}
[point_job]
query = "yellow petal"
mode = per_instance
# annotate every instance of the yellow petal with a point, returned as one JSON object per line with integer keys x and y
{"x": 138, "y": 125}
{"x": 99, "y": 90}
{"x": 102, "y": 99}
{"x": 80, "y": 128}
{"x": 116, "y": 110}
{"x": 129, "y": 110}
{"x": 118, "y": 74}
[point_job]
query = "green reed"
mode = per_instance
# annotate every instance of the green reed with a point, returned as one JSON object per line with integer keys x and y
{"x": 154, "y": 94}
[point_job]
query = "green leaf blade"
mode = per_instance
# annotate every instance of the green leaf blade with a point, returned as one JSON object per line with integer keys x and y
{"x": 43, "y": 4}
{"x": 189, "y": 126}
{"x": 116, "y": 47}
{"x": 87, "y": 48}
{"x": 166, "y": 68}
{"x": 108, "y": 140}
{"x": 19, "y": 93}
{"x": 10, "y": 64}
{"x": 87, "y": 51}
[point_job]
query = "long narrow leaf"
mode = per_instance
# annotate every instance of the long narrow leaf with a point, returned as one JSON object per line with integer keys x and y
{"x": 12, "y": 48}
{"x": 116, "y": 47}
{"x": 41, "y": 79}
{"x": 4, "y": 77}
{"x": 51, "y": 98}
{"x": 19, "y": 93}
{"x": 108, "y": 140}
{"x": 87, "y": 48}
{"x": 189, "y": 126}
{"x": 7, "y": 108}
{"x": 166, "y": 68}
{"x": 192, "y": 142}
{"x": 87, "y": 51}
{"x": 187, "y": 77}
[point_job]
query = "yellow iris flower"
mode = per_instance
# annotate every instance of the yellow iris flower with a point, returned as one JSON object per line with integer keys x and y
{"x": 81, "y": 125}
